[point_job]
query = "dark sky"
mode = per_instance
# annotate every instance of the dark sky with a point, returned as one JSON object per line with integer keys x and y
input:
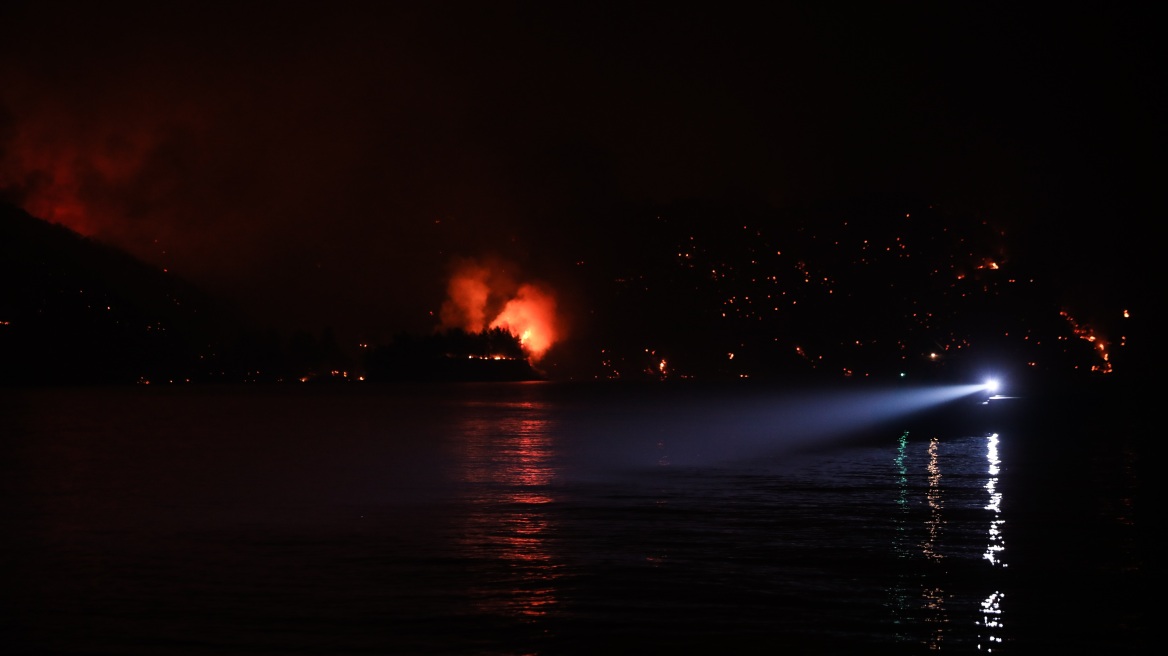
{"x": 325, "y": 163}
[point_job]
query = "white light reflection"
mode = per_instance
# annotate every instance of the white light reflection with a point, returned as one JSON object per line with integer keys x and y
{"x": 991, "y": 607}
{"x": 997, "y": 545}
{"x": 991, "y": 618}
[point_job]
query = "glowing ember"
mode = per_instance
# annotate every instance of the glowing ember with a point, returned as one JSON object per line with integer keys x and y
{"x": 1085, "y": 332}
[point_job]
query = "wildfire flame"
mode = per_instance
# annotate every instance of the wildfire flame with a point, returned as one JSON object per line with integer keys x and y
{"x": 477, "y": 291}
{"x": 530, "y": 316}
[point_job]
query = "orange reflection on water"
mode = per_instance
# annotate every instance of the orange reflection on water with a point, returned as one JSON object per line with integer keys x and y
{"x": 507, "y": 459}
{"x": 934, "y": 602}
{"x": 934, "y": 597}
{"x": 933, "y": 496}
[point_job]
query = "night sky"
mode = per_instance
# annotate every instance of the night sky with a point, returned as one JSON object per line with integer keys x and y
{"x": 330, "y": 164}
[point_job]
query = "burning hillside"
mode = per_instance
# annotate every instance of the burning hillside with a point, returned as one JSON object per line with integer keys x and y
{"x": 482, "y": 295}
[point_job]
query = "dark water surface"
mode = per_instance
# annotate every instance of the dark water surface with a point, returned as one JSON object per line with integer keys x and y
{"x": 556, "y": 518}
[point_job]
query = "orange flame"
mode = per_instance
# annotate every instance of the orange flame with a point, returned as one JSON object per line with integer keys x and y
{"x": 477, "y": 291}
{"x": 530, "y": 316}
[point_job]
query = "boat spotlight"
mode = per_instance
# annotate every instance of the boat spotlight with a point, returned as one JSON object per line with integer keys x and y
{"x": 992, "y": 385}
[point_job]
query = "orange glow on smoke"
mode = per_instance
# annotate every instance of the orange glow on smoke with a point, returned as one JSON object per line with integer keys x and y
{"x": 477, "y": 291}
{"x": 530, "y": 316}
{"x": 52, "y": 187}
{"x": 468, "y": 294}
{"x": 82, "y": 173}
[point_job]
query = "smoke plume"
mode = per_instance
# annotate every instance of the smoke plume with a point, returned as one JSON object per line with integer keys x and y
{"x": 482, "y": 295}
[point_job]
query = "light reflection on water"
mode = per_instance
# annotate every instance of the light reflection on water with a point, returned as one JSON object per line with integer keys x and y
{"x": 505, "y": 456}
{"x": 934, "y": 608}
{"x": 992, "y": 607}
{"x": 931, "y": 608}
{"x": 511, "y": 459}
{"x": 519, "y": 519}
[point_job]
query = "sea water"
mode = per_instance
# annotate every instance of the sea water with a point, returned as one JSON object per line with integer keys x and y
{"x": 548, "y": 518}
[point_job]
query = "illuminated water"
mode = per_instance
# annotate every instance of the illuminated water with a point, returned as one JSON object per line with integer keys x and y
{"x": 538, "y": 518}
